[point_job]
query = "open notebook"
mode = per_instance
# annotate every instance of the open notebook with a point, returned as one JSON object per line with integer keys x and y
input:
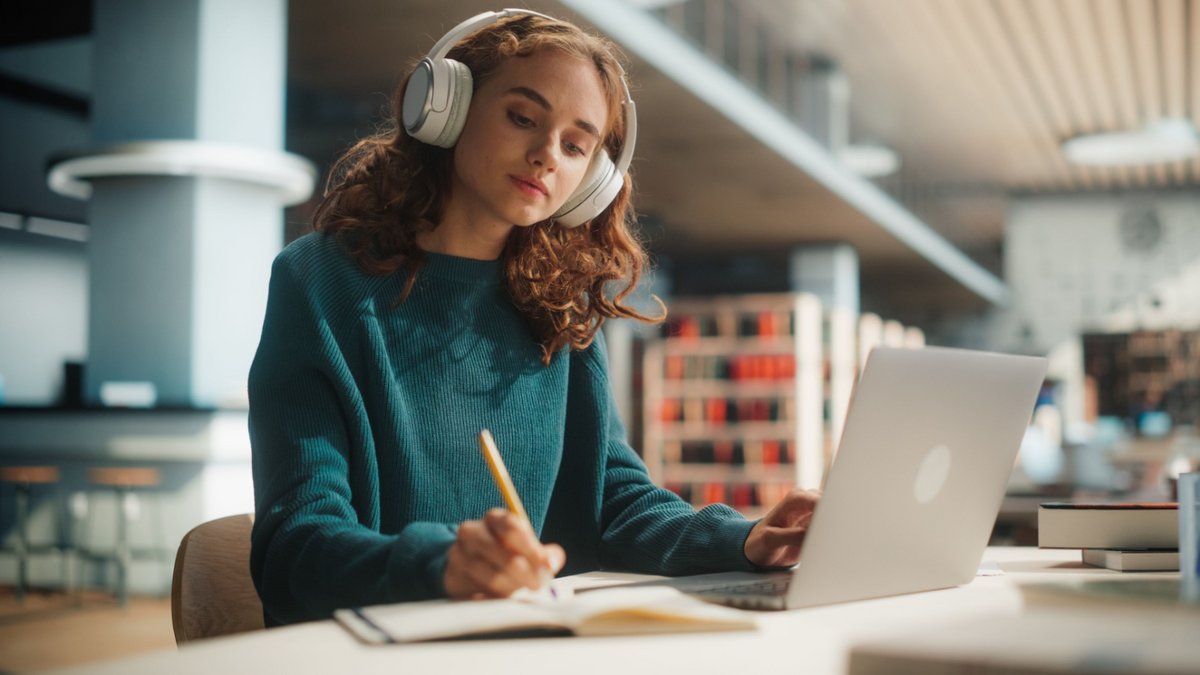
{"x": 608, "y": 611}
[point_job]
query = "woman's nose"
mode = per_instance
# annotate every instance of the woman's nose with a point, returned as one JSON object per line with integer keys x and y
{"x": 543, "y": 153}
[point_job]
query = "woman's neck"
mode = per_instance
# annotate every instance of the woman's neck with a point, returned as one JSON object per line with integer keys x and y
{"x": 459, "y": 235}
{"x": 441, "y": 241}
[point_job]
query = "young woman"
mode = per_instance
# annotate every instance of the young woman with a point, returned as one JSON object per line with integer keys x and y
{"x": 446, "y": 290}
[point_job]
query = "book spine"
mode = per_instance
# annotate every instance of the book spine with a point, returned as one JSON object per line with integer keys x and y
{"x": 1188, "y": 486}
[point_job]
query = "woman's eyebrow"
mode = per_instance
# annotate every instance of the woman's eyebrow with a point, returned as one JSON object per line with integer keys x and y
{"x": 537, "y": 98}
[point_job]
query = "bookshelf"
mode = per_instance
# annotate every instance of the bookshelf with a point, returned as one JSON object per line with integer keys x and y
{"x": 1145, "y": 371}
{"x": 743, "y": 397}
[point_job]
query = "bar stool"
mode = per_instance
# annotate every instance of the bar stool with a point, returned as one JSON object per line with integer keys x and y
{"x": 124, "y": 481}
{"x": 24, "y": 478}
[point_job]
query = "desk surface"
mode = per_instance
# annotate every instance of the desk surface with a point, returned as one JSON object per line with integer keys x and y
{"x": 815, "y": 640}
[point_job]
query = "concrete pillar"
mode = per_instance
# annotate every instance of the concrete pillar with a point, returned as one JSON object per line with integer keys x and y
{"x": 829, "y": 272}
{"x": 824, "y": 104}
{"x": 187, "y": 181}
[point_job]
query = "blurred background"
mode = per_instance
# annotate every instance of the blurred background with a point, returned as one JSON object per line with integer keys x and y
{"x": 813, "y": 178}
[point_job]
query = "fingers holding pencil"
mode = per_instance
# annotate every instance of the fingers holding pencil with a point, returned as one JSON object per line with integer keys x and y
{"x": 497, "y": 556}
{"x": 517, "y": 535}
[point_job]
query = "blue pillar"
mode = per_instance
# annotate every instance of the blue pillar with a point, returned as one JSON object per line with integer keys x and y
{"x": 187, "y": 181}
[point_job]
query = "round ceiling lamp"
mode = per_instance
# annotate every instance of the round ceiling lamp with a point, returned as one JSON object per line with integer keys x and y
{"x": 1164, "y": 140}
{"x": 868, "y": 160}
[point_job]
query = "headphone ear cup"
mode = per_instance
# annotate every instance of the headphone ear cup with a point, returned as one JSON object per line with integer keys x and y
{"x": 436, "y": 101}
{"x": 599, "y": 186}
{"x": 460, "y": 103}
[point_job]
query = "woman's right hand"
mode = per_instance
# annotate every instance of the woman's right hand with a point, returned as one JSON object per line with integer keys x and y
{"x": 496, "y": 556}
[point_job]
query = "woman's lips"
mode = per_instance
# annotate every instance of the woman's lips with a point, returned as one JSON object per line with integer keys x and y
{"x": 530, "y": 186}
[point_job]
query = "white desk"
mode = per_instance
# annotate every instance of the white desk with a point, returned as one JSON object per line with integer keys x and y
{"x": 816, "y": 640}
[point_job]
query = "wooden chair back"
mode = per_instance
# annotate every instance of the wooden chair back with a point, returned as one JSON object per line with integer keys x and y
{"x": 212, "y": 593}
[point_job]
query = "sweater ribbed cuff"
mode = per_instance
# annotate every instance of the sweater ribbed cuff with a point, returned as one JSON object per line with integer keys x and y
{"x": 430, "y": 558}
{"x": 729, "y": 544}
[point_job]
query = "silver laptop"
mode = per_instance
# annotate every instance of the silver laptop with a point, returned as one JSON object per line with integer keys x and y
{"x": 912, "y": 495}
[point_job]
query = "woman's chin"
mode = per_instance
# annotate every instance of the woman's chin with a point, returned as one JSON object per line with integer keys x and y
{"x": 528, "y": 219}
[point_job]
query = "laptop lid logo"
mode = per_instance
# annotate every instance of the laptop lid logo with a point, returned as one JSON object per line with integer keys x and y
{"x": 932, "y": 474}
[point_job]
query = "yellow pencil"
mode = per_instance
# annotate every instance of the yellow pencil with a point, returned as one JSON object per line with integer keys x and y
{"x": 495, "y": 463}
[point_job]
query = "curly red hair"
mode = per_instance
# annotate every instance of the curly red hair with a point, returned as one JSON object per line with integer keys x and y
{"x": 566, "y": 282}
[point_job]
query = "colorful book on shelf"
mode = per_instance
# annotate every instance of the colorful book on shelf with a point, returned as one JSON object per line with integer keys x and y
{"x": 714, "y": 493}
{"x": 722, "y": 452}
{"x": 1121, "y": 525}
{"x": 770, "y": 452}
{"x": 1133, "y": 560}
{"x": 608, "y": 611}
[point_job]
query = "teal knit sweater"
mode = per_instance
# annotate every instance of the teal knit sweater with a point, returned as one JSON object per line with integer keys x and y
{"x": 363, "y": 420}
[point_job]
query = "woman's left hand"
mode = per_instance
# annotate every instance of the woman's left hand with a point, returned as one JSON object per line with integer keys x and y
{"x": 776, "y": 540}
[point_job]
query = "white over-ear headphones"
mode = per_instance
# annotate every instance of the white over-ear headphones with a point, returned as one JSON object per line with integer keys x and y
{"x": 438, "y": 97}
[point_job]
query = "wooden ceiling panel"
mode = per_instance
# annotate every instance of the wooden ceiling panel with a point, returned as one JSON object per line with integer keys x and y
{"x": 1114, "y": 36}
{"x": 944, "y": 118}
{"x": 1055, "y": 39}
{"x": 1011, "y": 106}
{"x": 1065, "y": 40}
{"x": 1085, "y": 39}
{"x": 1144, "y": 43}
{"x": 1172, "y": 31}
{"x": 1019, "y": 87}
{"x": 1020, "y": 30}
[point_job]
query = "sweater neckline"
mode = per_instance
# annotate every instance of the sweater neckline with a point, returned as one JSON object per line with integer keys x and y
{"x": 468, "y": 270}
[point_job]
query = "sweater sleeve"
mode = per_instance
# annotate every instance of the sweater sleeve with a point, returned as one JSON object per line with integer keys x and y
{"x": 646, "y": 528}
{"x": 316, "y": 544}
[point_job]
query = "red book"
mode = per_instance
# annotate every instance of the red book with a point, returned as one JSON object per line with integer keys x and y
{"x": 787, "y": 367}
{"x": 674, "y": 368}
{"x": 766, "y": 324}
{"x": 770, "y": 367}
{"x": 741, "y": 495}
{"x": 755, "y": 367}
{"x": 716, "y": 411}
{"x": 770, "y": 452}
{"x": 723, "y": 452}
{"x": 714, "y": 493}
{"x": 689, "y": 327}
{"x": 671, "y": 410}
{"x": 762, "y": 410}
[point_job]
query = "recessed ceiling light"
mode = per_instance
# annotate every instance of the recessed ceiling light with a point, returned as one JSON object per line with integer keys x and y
{"x": 1165, "y": 140}
{"x": 868, "y": 160}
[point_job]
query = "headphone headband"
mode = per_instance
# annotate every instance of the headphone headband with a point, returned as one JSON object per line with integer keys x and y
{"x": 444, "y": 45}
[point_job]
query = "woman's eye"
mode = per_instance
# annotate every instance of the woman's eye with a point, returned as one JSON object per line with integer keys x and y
{"x": 575, "y": 149}
{"x": 520, "y": 120}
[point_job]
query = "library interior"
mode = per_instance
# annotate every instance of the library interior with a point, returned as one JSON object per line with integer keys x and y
{"x": 812, "y": 180}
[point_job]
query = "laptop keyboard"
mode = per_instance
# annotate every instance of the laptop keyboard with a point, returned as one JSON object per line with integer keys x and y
{"x": 772, "y": 586}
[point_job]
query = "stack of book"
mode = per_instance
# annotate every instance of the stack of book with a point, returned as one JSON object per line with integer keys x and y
{"x": 1125, "y": 536}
